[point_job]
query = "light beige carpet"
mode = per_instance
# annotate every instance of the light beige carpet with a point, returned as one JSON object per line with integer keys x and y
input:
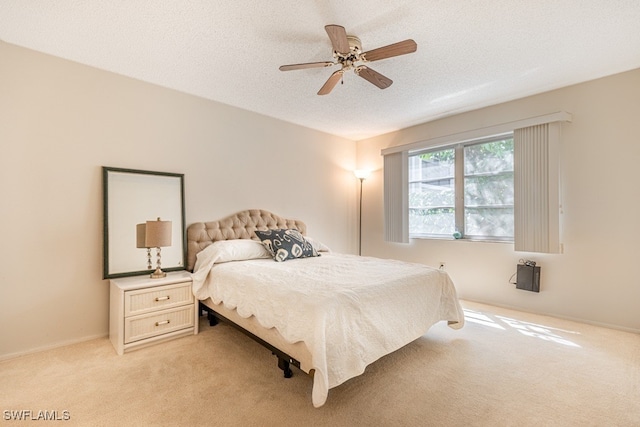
{"x": 504, "y": 368}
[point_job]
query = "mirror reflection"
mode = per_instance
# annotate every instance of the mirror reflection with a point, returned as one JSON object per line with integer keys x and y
{"x": 134, "y": 197}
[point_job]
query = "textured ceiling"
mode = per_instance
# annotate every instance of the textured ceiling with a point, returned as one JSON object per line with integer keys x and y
{"x": 470, "y": 53}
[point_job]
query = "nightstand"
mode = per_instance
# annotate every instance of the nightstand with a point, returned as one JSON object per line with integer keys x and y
{"x": 145, "y": 311}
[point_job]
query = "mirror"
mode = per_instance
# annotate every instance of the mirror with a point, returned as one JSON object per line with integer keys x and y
{"x": 133, "y": 197}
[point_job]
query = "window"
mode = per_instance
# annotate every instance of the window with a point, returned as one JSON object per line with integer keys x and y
{"x": 432, "y": 193}
{"x": 487, "y": 203}
{"x": 465, "y": 188}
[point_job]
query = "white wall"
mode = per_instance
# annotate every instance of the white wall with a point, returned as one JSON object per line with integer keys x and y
{"x": 61, "y": 121}
{"x": 596, "y": 278}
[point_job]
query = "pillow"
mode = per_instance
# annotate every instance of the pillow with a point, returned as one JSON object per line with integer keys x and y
{"x": 236, "y": 250}
{"x": 284, "y": 244}
{"x": 317, "y": 245}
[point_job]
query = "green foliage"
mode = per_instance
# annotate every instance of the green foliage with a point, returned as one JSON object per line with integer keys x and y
{"x": 488, "y": 191}
{"x": 446, "y": 156}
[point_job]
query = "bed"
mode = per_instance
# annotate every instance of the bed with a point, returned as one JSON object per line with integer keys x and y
{"x": 328, "y": 314}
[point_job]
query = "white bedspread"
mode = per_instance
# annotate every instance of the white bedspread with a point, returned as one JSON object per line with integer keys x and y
{"x": 348, "y": 310}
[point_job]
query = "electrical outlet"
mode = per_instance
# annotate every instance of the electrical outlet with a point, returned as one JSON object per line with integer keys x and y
{"x": 442, "y": 265}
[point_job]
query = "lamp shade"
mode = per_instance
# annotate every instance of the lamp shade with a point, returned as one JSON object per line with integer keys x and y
{"x": 362, "y": 173}
{"x": 157, "y": 234}
{"x": 141, "y": 231}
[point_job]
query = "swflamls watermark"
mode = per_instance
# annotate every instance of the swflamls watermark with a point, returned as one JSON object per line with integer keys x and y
{"x": 31, "y": 415}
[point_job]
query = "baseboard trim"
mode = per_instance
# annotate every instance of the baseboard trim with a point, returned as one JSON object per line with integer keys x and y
{"x": 9, "y": 356}
{"x": 557, "y": 316}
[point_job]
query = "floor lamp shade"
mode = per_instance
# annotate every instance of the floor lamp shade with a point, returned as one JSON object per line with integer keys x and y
{"x": 362, "y": 173}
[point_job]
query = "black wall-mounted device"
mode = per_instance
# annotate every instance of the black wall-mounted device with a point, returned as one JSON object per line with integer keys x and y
{"x": 528, "y": 277}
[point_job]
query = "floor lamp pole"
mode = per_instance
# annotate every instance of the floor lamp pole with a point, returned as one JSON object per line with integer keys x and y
{"x": 361, "y": 174}
{"x": 360, "y": 221}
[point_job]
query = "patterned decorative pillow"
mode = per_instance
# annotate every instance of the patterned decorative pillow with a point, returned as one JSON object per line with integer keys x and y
{"x": 284, "y": 244}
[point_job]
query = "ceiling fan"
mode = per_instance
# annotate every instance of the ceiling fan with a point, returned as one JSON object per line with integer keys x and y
{"x": 347, "y": 52}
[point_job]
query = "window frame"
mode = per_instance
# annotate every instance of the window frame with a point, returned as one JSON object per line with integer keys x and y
{"x": 459, "y": 183}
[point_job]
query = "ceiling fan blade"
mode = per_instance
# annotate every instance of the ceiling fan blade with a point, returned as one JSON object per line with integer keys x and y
{"x": 306, "y": 65}
{"x": 331, "y": 83}
{"x": 373, "y": 77}
{"x": 338, "y": 36}
{"x": 396, "y": 49}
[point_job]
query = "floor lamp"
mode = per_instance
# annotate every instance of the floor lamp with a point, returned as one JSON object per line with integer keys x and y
{"x": 361, "y": 174}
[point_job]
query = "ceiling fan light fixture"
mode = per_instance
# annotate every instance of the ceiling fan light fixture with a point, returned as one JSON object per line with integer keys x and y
{"x": 355, "y": 45}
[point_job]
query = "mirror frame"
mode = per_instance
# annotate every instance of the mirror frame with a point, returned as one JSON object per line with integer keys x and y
{"x": 114, "y": 214}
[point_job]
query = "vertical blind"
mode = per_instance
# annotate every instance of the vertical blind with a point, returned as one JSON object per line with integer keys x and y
{"x": 396, "y": 204}
{"x": 536, "y": 189}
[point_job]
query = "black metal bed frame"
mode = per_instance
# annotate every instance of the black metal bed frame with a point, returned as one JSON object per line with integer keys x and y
{"x": 284, "y": 360}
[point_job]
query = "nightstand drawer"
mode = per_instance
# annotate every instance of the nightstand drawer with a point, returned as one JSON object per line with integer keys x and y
{"x": 147, "y": 300}
{"x": 158, "y": 323}
{"x": 145, "y": 311}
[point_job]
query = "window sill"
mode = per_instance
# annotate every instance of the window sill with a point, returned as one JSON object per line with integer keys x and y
{"x": 464, "y": 239}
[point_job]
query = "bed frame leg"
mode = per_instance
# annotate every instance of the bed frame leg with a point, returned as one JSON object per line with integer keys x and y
{"x": 284, "y": 365}
{"x": 212, "y": 319}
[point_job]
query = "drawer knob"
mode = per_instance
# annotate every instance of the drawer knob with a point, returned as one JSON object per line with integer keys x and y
{"x": 164, "y": 322}
{"x": 163, "y": 298}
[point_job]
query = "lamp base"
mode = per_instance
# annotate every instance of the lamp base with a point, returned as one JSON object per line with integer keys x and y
{"x": 158, "y": 274}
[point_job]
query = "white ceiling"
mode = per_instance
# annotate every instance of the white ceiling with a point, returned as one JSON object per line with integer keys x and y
{"x": 471, "y": 53}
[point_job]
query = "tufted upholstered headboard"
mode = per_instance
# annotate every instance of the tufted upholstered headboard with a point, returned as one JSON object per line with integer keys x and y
{"x": 241, "y": 225}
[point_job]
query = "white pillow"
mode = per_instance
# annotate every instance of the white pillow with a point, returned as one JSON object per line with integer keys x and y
{"x": 237, "y": 250}
{"x": 317, "y": 245}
